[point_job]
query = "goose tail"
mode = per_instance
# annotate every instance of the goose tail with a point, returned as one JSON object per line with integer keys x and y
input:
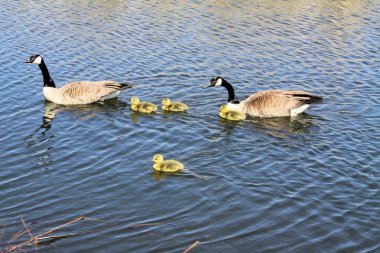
{"x": 315, "y": 99}
{"x": 309, "y": 99}
{"x": 126, "y": 85}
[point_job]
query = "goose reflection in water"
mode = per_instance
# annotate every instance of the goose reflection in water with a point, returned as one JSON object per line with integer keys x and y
{"x": 50, "y": 113}
{"x": 276, "y": 127}
{"x": 39, "y": 142}
{"x": 280, "y": 127}
{"x": 85, "y": 112}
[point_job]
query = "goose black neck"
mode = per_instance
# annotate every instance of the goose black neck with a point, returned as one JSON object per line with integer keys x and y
{"x": 48, "y": 81}
{"x": 230, "y": 89}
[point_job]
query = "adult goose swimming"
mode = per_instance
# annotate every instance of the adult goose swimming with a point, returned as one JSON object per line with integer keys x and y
{"x": 268, "y": 103}
{"x": 76, "y": 93}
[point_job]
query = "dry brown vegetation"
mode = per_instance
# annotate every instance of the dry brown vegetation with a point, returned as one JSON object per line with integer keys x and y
{"x": 23, "y": 240}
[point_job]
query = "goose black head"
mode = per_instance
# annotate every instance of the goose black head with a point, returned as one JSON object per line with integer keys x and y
{"x": 215, "y": 81}
{"x": 34, "y": 58}
{"x": 219, "y": 81}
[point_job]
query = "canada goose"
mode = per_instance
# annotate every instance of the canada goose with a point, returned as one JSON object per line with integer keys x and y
{"x": 230, "y": 115}
{"x": 144, "y": 107}
{"x": 166, "y": 165}
{"x": 269, "y": 103}
{"x": 168, "y": 105}
{"x": 76, "y": 93}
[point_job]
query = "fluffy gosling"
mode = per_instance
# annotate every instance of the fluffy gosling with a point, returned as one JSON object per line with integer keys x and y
{"x": 168, "y": 105}
{"x": 166, "y": 165}
{"x": 144, "y": 107}
{"x": 230, "y": 115}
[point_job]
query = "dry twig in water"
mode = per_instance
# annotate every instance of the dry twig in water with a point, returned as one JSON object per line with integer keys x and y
{"x": 35, "y": 240}
{"x": 47, "y": 237}
{"x": 192, "y": 246}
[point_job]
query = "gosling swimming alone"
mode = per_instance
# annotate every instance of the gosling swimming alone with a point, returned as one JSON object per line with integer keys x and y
{"x": 166, "y": 165}
{"x": 76, "y": 93}
{"x": 224, "y": 112}
{"x": 168, "y": 105}
{"x": 144, "y": 107}
{"x": 269, "y": 103}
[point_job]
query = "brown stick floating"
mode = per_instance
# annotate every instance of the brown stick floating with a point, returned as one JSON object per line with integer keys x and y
{"x": 192, "y": 246}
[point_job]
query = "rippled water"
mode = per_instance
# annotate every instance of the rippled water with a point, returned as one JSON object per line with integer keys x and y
{"x": 264, "y": 185}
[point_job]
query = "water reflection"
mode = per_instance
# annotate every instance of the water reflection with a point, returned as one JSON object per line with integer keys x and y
{"x": 91, "y": 153}
{"x": 342, "y": 7}
{"x": 50, "y": 112}
{"x": 228, "y": 126}
{"x": 39, "y": 142}
{"x": 302, "y": 124}
{"x": 158, "y": 175}
{"x": 168, "y": 113}
{"x": 84, "y": 112}
{"x": 276, "y": 127}
{"x": 135, "y": 116}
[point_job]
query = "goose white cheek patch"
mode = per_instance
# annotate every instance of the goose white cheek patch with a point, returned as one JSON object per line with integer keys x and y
{"x": 38, "y": 60}
{"x": 219, "y": 82}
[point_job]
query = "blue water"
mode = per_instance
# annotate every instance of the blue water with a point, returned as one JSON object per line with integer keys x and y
{"x": 309, "y": 184}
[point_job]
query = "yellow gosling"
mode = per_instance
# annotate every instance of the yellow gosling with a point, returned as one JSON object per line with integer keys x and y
{"x": 144, "y": 107}
{"x": 230, "y": 115}
{"x": 168, "y": 105}
{"x": 166, "y": 165}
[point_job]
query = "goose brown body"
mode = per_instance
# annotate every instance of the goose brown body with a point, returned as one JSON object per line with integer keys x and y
{"x": 84, "y": 92}
{"x": 274, "y": 103}
{"x": 269, "y": 103}
{"x": 76, "y": 93}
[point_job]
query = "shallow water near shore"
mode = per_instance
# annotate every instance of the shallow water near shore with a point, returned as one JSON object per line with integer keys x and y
{"x": 309, "y": 184}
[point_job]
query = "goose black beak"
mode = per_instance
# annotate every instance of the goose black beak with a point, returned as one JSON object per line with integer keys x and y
{"x": 29, "y": 60}
{"x": 207, "y": 85}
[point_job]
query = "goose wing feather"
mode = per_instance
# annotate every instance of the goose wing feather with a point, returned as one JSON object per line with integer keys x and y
{"x": 275, "y": 102}
{"x": 87, "y": 92}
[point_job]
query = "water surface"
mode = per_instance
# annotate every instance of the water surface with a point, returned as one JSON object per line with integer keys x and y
{"x": 309, "y": 184}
